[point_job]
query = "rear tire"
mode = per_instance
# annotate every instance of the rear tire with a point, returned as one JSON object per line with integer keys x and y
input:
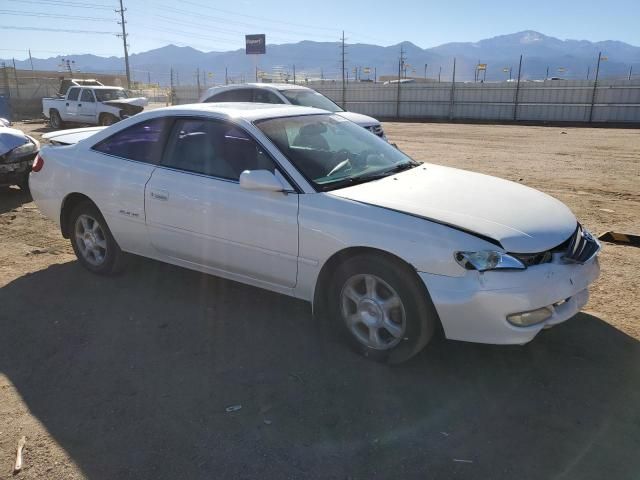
{"x": 55, "y": 121}
{"x": 107, "y": 119}
{"x": 93, "y": 242}
{"x": 381, "y": 308}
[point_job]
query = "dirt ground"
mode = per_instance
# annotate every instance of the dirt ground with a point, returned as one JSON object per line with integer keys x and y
{"x": 130, "y": 377}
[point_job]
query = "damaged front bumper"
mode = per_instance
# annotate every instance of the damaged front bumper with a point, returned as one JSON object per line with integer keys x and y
{"x": 16, "y": 173}
{"x": 478, "y": 307}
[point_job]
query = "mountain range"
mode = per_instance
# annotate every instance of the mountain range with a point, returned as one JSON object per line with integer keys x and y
{"x": 571, "y": 59}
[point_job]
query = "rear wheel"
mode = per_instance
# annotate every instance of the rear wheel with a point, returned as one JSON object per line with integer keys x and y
{"x": 55, "y": 121}
{"x": 92, "y": 241}
{"x": 381, "y": 308}
{"x": 107, "y": 119}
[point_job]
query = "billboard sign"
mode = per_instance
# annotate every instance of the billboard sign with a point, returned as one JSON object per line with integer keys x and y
{"x": 256, "y": 44}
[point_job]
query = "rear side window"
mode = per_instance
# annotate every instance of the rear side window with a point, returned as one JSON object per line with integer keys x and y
{"x": 142, "y": 142}
{"x": 236, "y": 95}
{"x": 73, "y": 94}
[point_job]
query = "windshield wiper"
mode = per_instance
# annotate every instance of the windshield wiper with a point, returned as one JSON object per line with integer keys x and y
{"x": 366, "y": 178}
{"x": 395, "y": 169}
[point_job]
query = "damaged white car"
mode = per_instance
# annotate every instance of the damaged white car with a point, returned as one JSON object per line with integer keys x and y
{"x": 308, "y": 204}
{"x": 17, "y": 151}
{"x": 94, "y": 105}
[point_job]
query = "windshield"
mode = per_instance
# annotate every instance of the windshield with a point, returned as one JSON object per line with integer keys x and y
{"x": 104, "y": 95}
{"x": 310, "y": 98}
{"x": 332, "y": 152}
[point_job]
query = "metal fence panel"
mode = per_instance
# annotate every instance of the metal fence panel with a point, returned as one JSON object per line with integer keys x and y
{"x": 543, "y": 101}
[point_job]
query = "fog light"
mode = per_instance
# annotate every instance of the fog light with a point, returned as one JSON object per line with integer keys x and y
{"x": 525, "y": 319}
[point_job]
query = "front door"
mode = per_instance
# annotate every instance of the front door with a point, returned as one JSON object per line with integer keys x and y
{"x": 197, "y": 212}
{"x": 87, "y": 107}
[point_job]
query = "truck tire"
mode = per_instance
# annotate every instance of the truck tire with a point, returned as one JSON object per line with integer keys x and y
{"x": 55, "y": 121}
{"x": 107, "y": 119}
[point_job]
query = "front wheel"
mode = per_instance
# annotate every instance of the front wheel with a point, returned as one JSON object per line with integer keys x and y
{"x": 92, "y": 241}
{"x": 381, "y": 308}
{"x": 107, "y": 119}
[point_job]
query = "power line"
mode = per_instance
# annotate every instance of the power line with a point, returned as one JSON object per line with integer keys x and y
{"x": 64, "y": 3}
{"x": 52, "y": 15}
{"x": 227, "y": 21}
{"x": 64, "y": 30}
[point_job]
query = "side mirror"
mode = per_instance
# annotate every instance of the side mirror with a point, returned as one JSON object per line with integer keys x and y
{"x": 260, "y": 180}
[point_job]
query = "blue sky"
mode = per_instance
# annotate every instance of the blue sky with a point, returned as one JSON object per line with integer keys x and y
{"x": 216, "y": 25}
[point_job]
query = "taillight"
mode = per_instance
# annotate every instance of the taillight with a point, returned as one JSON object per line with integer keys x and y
{"x": 38, "y": 163}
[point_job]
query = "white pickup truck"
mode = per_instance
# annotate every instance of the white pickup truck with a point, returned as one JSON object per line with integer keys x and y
{"x": 95, "y": 105}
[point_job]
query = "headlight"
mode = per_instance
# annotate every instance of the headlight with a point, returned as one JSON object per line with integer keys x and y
{"x": 21, "y": 151}
{"x": 488, "y": 260}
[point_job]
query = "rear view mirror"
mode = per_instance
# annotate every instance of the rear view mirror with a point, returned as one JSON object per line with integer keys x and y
{"x": 260, "y": 180}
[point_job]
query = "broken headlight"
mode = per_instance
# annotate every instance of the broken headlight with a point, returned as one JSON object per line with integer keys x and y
{"x": 22, "y": 151}
{"x": 488, "y": 260}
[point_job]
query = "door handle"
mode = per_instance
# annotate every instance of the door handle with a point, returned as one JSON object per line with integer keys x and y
{"x": 160, "y": 194}
{"x": 67, "y": 104}
{"x": 79, "y": 104}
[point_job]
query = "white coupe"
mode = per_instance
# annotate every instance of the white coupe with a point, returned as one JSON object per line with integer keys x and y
{"x": 305, "y": 203}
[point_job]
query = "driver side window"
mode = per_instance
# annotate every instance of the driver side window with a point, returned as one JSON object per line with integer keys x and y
{"x": 214, "y": 148}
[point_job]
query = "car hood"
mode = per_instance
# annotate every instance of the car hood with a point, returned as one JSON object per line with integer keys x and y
{"x": 72, "y": 136}
{"x": 362, "y": 120}
{"x": 522, "y": 219}
{"x": 138, "y": 102}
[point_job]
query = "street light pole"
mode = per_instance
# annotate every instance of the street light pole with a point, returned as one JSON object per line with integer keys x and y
{"x": 425, "y": 70}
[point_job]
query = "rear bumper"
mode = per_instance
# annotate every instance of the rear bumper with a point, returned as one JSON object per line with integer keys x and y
{"x": 474, "y": 307}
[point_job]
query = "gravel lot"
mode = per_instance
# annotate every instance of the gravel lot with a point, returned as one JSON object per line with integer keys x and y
{"x": 130, "y": 377}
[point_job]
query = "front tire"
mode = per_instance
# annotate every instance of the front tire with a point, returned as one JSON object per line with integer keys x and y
{"x": 381, "y": 308}
{"x": 93, "y": 242}
{"x": 107, "y": 119}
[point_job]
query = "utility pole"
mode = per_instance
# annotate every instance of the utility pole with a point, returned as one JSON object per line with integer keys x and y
{"x": 256, "y": 74}
{"x": 5, "y": 75}
{"x": 15, "y": 74}
{"x": 453, "y": 91}
{"x": 124, "y": 42}
{"x": 515, "y": 100}
{"x": 171, "y": 86}
{"x": 198, "y": 81}
{"x": 226, "y": 76}
{"x": 31, "y": 60}
{"x": 630, "y": 71}
{"x": 595, "y": 87}
{"x": 400, "y": 68}
{"x": 344, "y": 84}
{"x": 439, "y": 73}
{"x": 547, "y": 76}
{"x": 425, "y": 70}
{"x": 294, "y": 73}
{"x": 375, "y": 74}
{"x": 588, "y": 71}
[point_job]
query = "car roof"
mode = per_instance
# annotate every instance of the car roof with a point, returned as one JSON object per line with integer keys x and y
{"x": 96, "y": 87}
{"x": 266, "y": 86}
{"x": 242, "y": 110}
